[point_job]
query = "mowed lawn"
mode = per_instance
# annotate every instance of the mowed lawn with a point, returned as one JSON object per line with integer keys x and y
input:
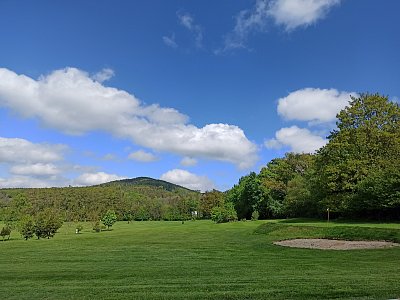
{"x": 194, "y": 260}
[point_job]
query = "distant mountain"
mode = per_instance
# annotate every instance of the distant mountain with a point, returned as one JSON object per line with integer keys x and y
{"x": 146, "y": 181}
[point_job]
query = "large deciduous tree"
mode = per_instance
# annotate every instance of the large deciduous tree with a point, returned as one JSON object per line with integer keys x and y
{"x": 358, "y": 170}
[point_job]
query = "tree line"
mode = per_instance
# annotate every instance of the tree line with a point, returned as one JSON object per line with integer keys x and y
{"x": 355, "y": 175}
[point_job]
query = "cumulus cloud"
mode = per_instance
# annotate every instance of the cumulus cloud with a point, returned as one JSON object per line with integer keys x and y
{"x": 314, "y": 105}
{"x": 95, "y": 178}
{"x": 188, "y": 162}
{"x": 300, "y": 140}
{"x": 71, "y": 101}
{"x": 15, "y": 150}
{"x": 170, "y": 41}
{"x": 187, "y": 21}
{"x": 38, "y": 169}
{"x": 188, "y": 180}
{"x": 142, "y": 156}
{"x": 292, "y": 14}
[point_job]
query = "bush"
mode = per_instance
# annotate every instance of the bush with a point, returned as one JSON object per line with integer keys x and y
{"x": 27, "y": 227}
{"x": 255, "y": 215}
{"x": 96, "y": 226}
{"x": 224, "y": 214}
{"x": 5, "y": 231}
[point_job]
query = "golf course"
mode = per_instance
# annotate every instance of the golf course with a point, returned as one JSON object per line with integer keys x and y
{"x": 201, "y": 260}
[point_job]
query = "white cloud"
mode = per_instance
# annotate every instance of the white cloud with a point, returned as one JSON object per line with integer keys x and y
{"x": 103, "y": 75}
{"x": 170, "y": 41}
{"x": 314, "y": 105}
{"x": 292, "y": 14}
{"x": 95, "y": 178}
{"x": 188, "y": 180}
{"x": 71, "y": 101}
{"x": 15, "y": 150}
{"x": 38, "y": 169}
{"x": 142, "y": 156}
{"x": 187, "y": 21}
{"x": 27, "y": 181}
{"x": 188, "y": 162}
{"x": 300, "y": 140}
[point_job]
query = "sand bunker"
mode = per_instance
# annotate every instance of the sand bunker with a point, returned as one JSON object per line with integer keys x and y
{"x": 326, "y": 244}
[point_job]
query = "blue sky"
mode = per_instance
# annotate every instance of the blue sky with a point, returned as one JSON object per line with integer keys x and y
{"x": 198, "y": 93}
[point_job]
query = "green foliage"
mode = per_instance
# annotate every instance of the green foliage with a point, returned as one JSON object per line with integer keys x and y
{"x": 223, "y": 214}
{"x": 109, "y": 219}
{"x": 96, "y": 226}
{"x": 141, "y": 199}
{"x": 255, "y": 215}
{"x": 298, "y": 201}
{"x": 47, "y": 223}
{"x": 353, "y": 177}
{"x": 208, "y": 201}
{"x": 27, "y": 227}
{"x": 5, "y": 232}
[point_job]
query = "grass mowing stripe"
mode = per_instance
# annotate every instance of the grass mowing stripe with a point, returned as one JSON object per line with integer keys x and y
{"x": 195, "y": 260}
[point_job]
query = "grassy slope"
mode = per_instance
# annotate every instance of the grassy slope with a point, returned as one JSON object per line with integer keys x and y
{"x": 195, "y": 260}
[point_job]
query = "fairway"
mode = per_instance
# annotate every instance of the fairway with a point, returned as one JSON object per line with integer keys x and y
{"x": 194, "y": 260}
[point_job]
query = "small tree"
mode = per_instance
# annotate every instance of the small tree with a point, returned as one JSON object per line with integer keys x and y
{"x": 27, "y": 227}
{"x": 46, "y": 224}
{"x": 255, "y": 215}
{"x": 109, "y": 218}
{"x": 5, "y": 231}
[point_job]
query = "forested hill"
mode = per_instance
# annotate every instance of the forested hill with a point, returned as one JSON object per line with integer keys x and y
{"x": 146, "y": 181}
{"x": 139, "y": 198}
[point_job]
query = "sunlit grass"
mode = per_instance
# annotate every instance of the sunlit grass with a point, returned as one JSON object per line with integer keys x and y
{"x": 194, "y": 260}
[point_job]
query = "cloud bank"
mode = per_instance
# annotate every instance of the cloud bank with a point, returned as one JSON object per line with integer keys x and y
{"x": 73, "y": 102}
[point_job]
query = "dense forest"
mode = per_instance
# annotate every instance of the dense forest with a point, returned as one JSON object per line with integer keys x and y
{"x": 356, "y": 174}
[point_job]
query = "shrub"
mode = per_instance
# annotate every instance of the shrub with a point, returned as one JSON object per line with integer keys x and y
{"x": 96, "y": 226}
{"x": 224, "y": 214}
{"x": 255, "y": 215}
{"x": 5, "y": 231}
{"x": 27, "y": 227}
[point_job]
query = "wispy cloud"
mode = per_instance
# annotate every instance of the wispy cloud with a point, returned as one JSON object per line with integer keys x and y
{"x": 187, "y": 21}
{"x": 170, "y": 41}
{"x": 290, "y": 14}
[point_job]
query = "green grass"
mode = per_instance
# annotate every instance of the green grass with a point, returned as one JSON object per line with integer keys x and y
{"x": 198, "y": 260}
